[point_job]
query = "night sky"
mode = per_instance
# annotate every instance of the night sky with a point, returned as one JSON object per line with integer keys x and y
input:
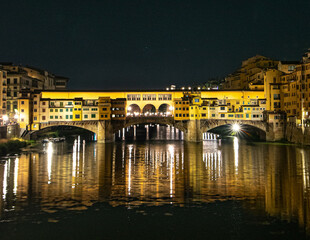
{"x": 133, "y": 44}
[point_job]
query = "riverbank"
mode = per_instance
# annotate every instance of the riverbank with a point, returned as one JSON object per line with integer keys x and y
{"x": 13, "y": 146}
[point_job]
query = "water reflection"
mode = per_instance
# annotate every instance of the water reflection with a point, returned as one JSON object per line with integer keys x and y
{"x": 273, "y": 179}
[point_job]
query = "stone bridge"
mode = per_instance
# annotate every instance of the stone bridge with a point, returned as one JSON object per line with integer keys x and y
{"x": 193, "y": 129}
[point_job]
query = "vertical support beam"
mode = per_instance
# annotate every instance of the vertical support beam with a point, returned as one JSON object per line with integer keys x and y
{"x": 147, "y": 132}
{"x": 157, "y": 131}
{"x": 123, "y": 136}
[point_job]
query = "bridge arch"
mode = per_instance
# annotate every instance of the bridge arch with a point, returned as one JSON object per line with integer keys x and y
{"x": 133, "y": 109}
{"x": 149, "y": 120}
{"x": 164, "y": 108}
{"x": 91, "y": 128}
{"x": 248, "y": 129}
{"x": 149, "y": 109}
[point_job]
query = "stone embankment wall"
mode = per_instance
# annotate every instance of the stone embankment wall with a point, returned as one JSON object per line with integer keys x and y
{"x": 298, "y": 135}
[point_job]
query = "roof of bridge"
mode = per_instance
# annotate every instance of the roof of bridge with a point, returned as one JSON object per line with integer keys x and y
{"x": 151, "y": 90}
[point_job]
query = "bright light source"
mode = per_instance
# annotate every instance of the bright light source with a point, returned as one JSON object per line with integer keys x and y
{"x": 170, "y": 108}
{"x": 5, "y": 118}
{"x": 198, "y": 88}
{"x": 183, "y": 88}
{"x": 189, "y": 88}
{"x": 129, "y": 108}
{"x": 16, "y": 116}
{"x": 167, "y": 89}
{"x": 236, "y": 127}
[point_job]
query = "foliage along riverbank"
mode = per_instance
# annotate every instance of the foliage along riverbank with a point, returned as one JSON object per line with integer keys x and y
{"x": 12, "y": 146}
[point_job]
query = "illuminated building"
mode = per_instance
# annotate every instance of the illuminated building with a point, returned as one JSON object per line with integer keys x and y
{"x": 16, "y": 78}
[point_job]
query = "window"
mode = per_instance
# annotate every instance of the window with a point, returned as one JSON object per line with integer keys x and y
{"x": 222, "y": 115}
{"x": 35, "y": 102}
{"x": 93, "y": 116}
{"x": 197, "y": 100}
{"x": 213, "y": 115}
{"x": 104, "y": 109}
{"x": 22, "y": 102}
{"x": 77, "y": 115}
{"x": 162, "y": 97}
{"x": 61, "y": 110}
{"x": 56, "y": 110}
{"x": 56, "y": 117}
{"x": 222, "y": 108}
{"x": 71, "y": 116}
{"x": 51, "y": 117}
{"x": 67, "y": 116}
{"x": 43, "y": 118}
{"x": 35, "y": 118}
{"x": 86, "y": 116}
{"x": 149, "y": 97}
{"x": 133, "y": 97}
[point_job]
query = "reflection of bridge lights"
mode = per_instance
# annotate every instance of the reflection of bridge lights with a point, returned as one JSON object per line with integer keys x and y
{"x": 236, "y": 127}
{"x": 49, "y": 160}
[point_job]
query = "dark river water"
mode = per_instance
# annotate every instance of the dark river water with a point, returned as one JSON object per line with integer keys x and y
{"x": 157, "y": 190}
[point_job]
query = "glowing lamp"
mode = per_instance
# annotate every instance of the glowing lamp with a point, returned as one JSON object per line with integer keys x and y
{"x": 236, "y": 127}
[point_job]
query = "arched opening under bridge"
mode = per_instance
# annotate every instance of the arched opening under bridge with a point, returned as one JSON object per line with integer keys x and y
{"x": 243, "y": 131}
{"x": 149, "y": 131}
{"x": 63, "y": 131}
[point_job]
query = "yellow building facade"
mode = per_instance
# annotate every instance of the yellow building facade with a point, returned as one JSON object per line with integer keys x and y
{"x": 59, "y": 106}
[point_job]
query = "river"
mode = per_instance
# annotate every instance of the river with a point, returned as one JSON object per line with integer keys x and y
{"x": 157, "y": 190}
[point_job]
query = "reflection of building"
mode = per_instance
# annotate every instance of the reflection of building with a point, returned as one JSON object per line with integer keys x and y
{"x": 155, "y": 174}
{"x": 16, "y": 78}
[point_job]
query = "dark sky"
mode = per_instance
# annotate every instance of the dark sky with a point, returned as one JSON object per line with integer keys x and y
{"x": 133, "y": 44}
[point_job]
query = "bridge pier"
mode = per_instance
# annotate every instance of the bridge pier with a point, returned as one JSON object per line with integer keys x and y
{"x": 105, "y": 132}
{"x": 194, "y": 132}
